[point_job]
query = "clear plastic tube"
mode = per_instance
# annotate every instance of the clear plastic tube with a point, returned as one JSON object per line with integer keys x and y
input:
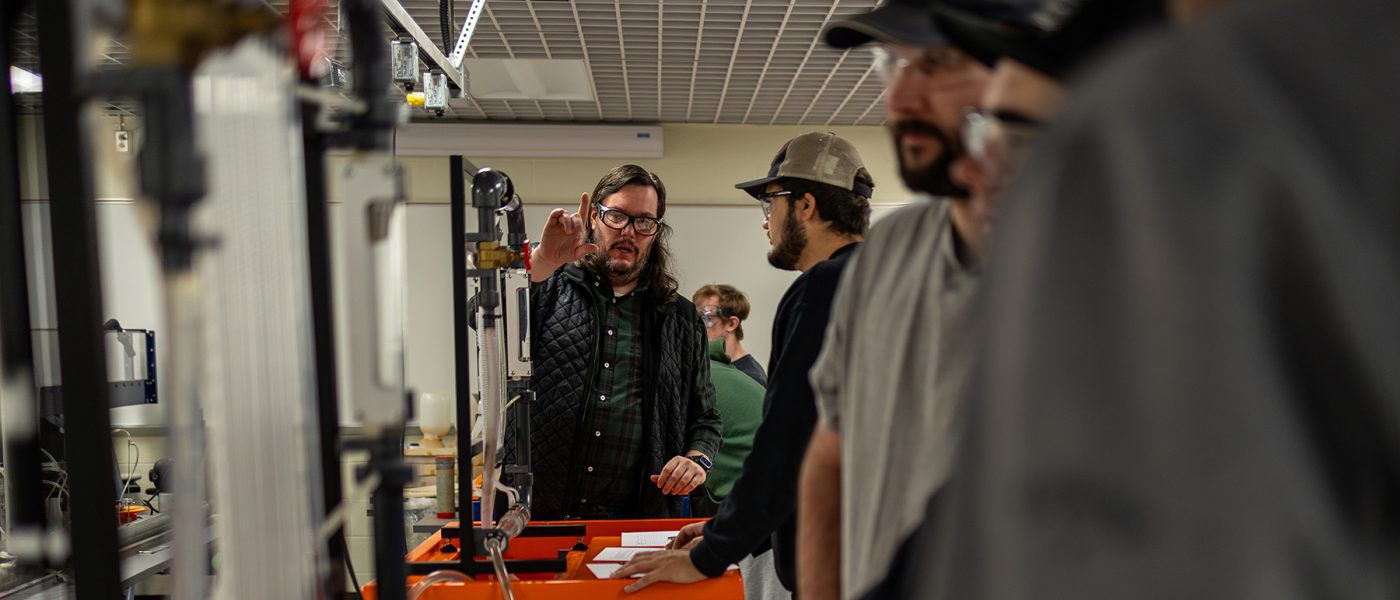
{"x": 492, "y": 410}
{"x": 498, "y": 563}
{"x": 435, "y": 578}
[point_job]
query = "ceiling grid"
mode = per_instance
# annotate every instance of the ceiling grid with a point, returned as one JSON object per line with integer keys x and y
{"x": 763, "y": 72}
{"x": 733, "y": 56}
{"x": 648, "y": 61}
{"x": 850, "y": 94}
{"x": 622, "y": 53}
{"x": 547, "y": 53}
{"x": 777, "y": 113}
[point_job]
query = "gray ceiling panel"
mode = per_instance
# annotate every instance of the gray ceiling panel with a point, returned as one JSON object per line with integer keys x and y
{"x": 700, "y": 61}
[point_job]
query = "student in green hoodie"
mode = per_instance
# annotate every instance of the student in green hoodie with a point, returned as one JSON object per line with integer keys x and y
{"x": 740, "y": 402}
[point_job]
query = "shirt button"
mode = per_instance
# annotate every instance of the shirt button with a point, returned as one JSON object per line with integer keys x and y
{"x": 603, "y": 398}
{"x": 610, "y": 332}
{"x": 590, "y": 469}
{"x": 607, "y": 365}
{"x": 597, "y": 434}
{"x": 583, "y": 501}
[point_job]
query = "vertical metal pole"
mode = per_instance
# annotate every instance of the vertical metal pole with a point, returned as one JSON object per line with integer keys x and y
{"x": 78, "y": 291}
{"x": 386, "y": 455}
{"x": 23, "y": 474}
{"x": 372, "y": 131}
{"x": 461, "y": 334}
{"x": 323, "y": 332}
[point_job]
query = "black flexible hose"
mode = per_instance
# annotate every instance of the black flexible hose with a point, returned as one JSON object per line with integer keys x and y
{"x": 445, "y": 19}
{"x": 350, "y": 566}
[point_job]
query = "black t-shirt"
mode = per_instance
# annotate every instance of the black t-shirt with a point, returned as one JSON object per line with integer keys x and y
{"x": 749, "y": 365}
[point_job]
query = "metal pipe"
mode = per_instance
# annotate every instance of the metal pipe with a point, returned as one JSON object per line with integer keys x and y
{"x": 461, "y": 323}
{"x": 323, "y": 338}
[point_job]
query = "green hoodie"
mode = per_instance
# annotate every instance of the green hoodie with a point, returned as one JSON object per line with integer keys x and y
{"x": 740, "y": 402}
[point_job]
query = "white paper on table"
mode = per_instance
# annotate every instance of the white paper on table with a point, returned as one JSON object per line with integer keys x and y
{"x": 605, "y": 570}
{"x": 648, "y": 539}
{"x": 620, "y": 554}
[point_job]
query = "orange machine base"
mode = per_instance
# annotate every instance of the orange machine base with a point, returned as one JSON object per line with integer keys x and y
{"x": 577, "y": 583}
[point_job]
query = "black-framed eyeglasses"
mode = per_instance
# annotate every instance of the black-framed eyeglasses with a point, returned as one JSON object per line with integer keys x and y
{"x": 765, "y": 200}
{"x": 619, "y": 220}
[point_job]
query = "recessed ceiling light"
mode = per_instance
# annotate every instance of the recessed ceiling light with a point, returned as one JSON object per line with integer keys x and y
{"x": 528, "y": 79}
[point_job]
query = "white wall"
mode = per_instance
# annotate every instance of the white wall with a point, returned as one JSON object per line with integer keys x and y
{"x": 716, "y": 242}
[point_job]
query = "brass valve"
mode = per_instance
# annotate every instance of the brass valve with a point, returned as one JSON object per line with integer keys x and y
{"x": 490, "y": 255}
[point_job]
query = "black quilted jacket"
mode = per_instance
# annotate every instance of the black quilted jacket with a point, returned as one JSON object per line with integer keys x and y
{"x": 678, "y": 398}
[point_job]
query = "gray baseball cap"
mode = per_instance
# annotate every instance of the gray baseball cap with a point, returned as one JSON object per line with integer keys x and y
{"x": 823, "y": 157}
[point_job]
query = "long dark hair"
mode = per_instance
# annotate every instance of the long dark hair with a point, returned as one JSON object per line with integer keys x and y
{"x": 656, "y": 279}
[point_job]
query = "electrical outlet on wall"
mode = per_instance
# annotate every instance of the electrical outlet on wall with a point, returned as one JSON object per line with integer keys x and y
{"x": 123, "y": 141}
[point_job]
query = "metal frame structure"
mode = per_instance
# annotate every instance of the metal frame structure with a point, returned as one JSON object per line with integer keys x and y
{"x": 79, "y": 301}
{"x": 28, "y": 529}
{"x": 502, "y": 305}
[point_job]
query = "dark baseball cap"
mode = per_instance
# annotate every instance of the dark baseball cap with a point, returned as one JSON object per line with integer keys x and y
{"x": 910, "y": 22}
{"x": 823, "y": 157}
{"x": 1053, "y": 38}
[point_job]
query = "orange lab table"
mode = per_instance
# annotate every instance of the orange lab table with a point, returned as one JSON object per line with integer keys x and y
{"x": 577, "y": 582}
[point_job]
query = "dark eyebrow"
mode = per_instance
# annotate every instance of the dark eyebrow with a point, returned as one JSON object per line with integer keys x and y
{"x": 647, "y": 215}
{"x": 1011, "y": 116}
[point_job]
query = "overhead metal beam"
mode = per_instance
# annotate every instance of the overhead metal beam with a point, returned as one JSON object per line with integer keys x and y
{"x": 431, "y": 54}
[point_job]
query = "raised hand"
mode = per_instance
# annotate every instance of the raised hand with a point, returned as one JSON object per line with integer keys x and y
{"x": 562, "y": 241}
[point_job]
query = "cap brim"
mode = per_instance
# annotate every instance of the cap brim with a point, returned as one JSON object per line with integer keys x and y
{"x": 748, "y": 186}
{"x": 989, "y": 40}
{"x": 886, "y": 24}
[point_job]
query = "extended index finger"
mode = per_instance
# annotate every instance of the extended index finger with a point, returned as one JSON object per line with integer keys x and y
{"x": 583, "y": 205}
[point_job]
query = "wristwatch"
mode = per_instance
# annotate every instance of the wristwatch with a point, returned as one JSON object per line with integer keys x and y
{"x": 703, "y": 462}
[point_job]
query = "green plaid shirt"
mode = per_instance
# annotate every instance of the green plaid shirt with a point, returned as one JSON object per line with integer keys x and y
{"x": 612, "y": 450}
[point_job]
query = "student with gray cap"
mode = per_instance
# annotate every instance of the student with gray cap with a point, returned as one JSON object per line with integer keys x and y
{"x": 896, "y": 356}
{"x": 816, "y": 208}
{"x": 1032, "y": 57}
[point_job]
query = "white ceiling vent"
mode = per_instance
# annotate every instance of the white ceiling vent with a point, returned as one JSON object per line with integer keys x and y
{"x": 481, "y": 140}
{"x": 529, "y": 79}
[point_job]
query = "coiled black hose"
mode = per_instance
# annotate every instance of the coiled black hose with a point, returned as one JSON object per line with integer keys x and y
{"x": 445, "y": 20}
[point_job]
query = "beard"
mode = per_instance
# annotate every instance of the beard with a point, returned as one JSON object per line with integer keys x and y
{"x": 620, "y": 270}
{"x": 788, "y": 251}
{"x": 933, "y": 178}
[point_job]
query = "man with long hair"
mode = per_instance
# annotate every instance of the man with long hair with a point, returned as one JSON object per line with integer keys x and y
{"x": 816, "y": 209}
{"x": 624, "y": 423}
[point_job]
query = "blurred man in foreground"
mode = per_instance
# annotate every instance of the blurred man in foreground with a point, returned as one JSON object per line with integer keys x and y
{"x": 1193, "y": 327}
